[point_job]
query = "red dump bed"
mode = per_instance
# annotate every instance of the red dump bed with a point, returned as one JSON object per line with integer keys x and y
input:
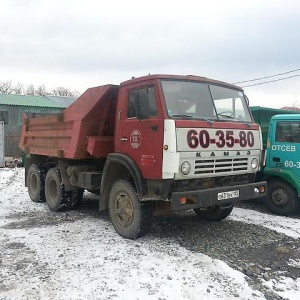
{"x": 83, "y": 130}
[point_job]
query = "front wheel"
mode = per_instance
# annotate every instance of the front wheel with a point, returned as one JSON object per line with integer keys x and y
{"x": 130, "y": 217}
{"x": 281, "y": 198}
{"x": 214, "y": 213}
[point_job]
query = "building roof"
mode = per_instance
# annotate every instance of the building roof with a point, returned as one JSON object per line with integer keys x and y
{"x": 64, "y": 101}
{"x": 27, "y": 100}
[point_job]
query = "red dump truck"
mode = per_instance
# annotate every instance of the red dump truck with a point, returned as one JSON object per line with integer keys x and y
{"x": 157, "y": 143}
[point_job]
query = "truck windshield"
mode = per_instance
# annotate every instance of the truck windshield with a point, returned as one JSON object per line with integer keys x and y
{"x": 196, "y": 100}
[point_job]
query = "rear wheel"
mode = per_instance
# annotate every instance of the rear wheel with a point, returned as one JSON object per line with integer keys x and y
{"x": 54, "y": 190}
{"x": 36, "y": 182}
{"x": 130, "y": 217}
{"x": 281, "y": 198}
{"x": 214, "y": 213}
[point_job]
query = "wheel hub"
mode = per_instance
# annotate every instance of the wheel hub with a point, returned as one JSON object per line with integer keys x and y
{"x": 124, "y": 209}
{"x": 280, "y": 197}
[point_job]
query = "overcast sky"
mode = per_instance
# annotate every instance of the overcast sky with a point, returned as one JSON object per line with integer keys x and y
{"x": 80, "y": 44}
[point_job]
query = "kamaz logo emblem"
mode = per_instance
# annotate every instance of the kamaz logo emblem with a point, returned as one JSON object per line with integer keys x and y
{"x": 225, "y": 153}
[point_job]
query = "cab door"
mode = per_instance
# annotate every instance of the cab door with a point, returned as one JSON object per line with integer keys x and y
{"x": 139, "y": 129}
{"x": 285, "y": 144}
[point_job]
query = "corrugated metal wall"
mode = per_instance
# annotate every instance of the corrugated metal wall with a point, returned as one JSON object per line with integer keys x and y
{"x": 13, "y": 123}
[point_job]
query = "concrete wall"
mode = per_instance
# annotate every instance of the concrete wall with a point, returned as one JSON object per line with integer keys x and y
{"x": 13, "y": 123}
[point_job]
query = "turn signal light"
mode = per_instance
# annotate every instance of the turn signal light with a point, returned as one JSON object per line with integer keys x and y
{"x": 259, "y": 190}
{"x": 165, "y": 147}
{"x": 182, "y": 200}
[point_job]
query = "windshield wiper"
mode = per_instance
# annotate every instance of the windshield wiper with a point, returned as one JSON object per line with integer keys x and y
{"x": 194, "y": 117}
{"x": 236, "y": 119}
{"x": 207, "y": 120}
{"x": 182, "y": 116}
{"x": 245, "y": 122}
{"x": 226, "y": 116}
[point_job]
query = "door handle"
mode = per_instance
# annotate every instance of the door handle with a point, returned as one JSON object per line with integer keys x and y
{"x": 276, "y": 159}
{"x": 154, "y": 127}
{"x": 123, "y": 139}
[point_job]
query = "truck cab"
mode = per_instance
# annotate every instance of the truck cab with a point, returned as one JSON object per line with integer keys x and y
{"x": 282, "y": 164}
{"x": 165, "y": 121}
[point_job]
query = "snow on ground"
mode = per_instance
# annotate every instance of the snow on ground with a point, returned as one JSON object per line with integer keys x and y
{"x": 287, "y": 288}
{"x": 86, "y": 259}
{"x": 285, "y": 225}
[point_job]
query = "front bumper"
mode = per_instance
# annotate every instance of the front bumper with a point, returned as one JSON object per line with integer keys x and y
{"x": 209, "y": 197}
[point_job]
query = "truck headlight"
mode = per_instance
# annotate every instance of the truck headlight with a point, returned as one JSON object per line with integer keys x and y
{"x": 185, "y": 168}
{"x": 254, "y": 163}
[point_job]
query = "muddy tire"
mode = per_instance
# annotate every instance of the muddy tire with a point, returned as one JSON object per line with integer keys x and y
{"x": 215, "y": 213}
{"x": 36, "y": 182}
{"x": 281, "y": 198}
{"x": 54, "y": 190}
{"x": 73, "y": 199}
{"x": 130, "y": 217}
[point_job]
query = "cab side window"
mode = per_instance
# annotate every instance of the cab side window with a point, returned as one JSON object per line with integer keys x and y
{"x": 288, "y": 132}
{"x": 143, "y": 101}
{"x": 132, "y": 104}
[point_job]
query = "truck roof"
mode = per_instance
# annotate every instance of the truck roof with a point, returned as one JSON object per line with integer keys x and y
{"x": 263, "y": 115}
{"x": 179, "y": 77}
{"x": 287, "y": 117}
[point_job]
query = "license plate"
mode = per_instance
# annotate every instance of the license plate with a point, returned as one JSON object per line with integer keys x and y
{"x": 228, "y": 195}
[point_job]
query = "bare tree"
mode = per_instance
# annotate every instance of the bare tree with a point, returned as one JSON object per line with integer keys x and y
{"x": 62, "y": 91}
{"x": 17, "y": 89}
{"x": 6, "y": 87}
{"x": 30, "y": 90}
{"x": 41, "y": 90}
{"x": 75, "y": 94}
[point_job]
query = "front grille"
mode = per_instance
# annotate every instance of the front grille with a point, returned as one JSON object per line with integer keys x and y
{"x": 222, "y": 165}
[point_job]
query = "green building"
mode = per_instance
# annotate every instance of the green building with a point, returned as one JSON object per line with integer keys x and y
{"x": 12, "y": 108}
